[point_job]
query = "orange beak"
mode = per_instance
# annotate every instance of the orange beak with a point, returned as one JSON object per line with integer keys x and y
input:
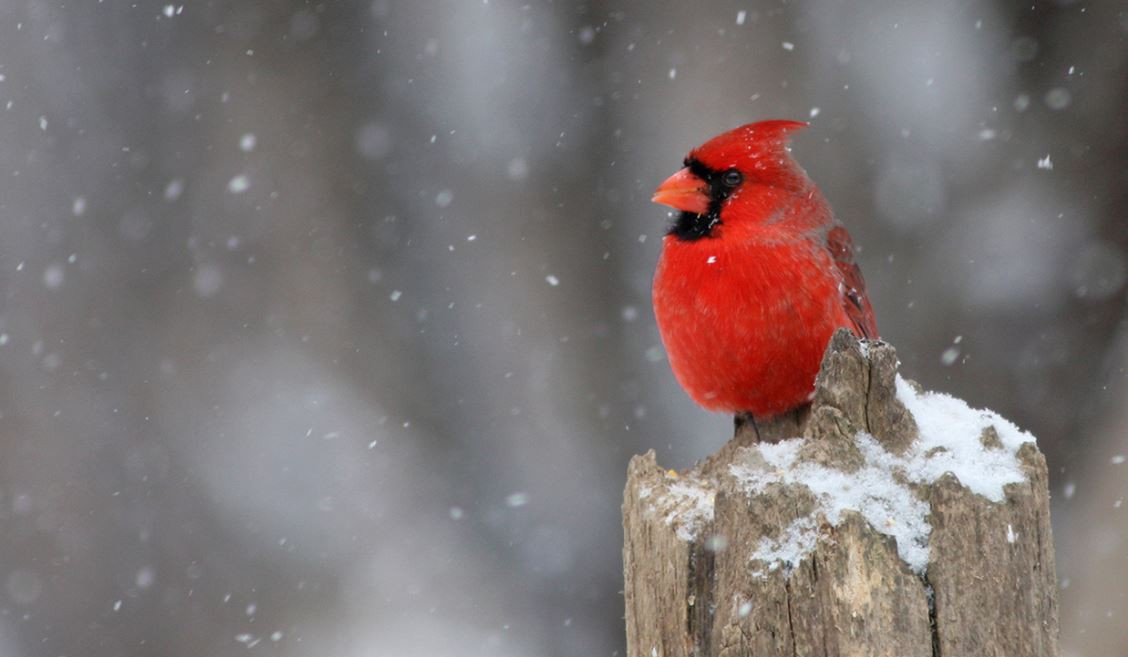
{"x": 683, "y": 191}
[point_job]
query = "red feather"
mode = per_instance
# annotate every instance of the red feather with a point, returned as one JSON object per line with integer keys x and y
{"x": 755, "y": 276}
{"x": 855, "y": 299}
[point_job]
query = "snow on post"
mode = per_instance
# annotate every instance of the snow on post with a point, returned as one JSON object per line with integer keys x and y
{"x": 884, "y": 520}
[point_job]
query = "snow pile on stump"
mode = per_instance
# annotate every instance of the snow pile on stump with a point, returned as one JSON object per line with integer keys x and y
{"x": 978, "y": 448}
{"x": 885, "y": 482}
{"x": 880, "y": 520}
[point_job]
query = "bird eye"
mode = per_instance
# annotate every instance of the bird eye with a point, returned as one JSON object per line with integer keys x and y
{"x": 732, "y": 178}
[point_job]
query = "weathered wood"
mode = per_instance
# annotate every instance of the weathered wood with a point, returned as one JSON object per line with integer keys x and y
{"x": 996, "y": 592}
{"x": 739, "y": 557}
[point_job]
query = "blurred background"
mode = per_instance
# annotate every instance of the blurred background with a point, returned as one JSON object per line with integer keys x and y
{"x": 326, "y": 326}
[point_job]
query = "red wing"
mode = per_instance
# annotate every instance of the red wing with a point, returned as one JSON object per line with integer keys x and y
{"x": 854, "y": 297}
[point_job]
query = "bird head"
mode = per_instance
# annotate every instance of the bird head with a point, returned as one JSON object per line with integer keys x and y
{"x": 721, "y": 171}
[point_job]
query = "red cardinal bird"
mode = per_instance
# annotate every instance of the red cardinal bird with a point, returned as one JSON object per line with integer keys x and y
{"x": 755, "y": 275}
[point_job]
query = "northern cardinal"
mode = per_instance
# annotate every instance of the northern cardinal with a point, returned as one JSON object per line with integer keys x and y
{"x": 755, "y": 274}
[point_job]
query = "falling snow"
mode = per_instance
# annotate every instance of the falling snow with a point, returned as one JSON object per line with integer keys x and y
{"x": 145, "y": 577}
{"x": 173, "y": 189}
{"x": 53, "y": 276}
{"x": 238, "y": 184}
{"x": 1058, "y": 98}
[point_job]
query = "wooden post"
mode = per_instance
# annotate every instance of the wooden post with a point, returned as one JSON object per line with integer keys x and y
{"x": 897, "y": 523}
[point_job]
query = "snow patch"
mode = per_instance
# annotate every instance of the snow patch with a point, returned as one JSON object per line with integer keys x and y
{"x": 888, "y": 505}
{"x": 796, "y": 542}
{"x": 686, "y": 505}
{"x": 950, "y": 442}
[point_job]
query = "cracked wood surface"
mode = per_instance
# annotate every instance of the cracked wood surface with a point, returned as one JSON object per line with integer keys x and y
{"x": 693, "y": 590}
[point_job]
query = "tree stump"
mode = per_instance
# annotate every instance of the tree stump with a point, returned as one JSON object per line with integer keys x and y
{"x": 882, "y": 520}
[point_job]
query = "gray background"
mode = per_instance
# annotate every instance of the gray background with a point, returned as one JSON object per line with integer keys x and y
{"x": 312, "y": 391}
